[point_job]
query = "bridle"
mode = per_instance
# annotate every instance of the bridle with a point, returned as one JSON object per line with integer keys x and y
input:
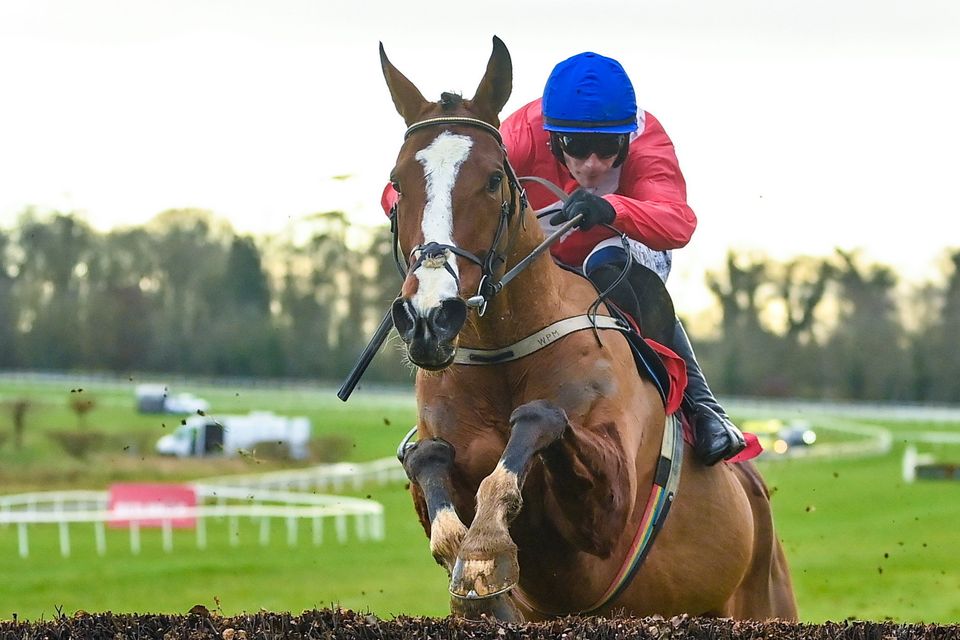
{"x": 490, "y": 261}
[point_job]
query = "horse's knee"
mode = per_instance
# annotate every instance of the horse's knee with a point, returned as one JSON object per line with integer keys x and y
{"x": 534, "y": 427}
{"x": 543, "y": 413}
{"x": 428, "y": 457}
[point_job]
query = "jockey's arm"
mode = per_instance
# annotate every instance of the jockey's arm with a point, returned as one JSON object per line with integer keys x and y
{"x": 651, "y": 202}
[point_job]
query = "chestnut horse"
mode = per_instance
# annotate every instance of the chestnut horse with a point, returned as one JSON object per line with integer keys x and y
{"x": 549, "y": 457}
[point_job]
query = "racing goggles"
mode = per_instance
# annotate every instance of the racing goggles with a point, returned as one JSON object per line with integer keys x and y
{"x": 581, "y": 145}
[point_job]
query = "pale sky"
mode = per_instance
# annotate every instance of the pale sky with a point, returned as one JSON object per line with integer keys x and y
{"x": 800, "y": 125}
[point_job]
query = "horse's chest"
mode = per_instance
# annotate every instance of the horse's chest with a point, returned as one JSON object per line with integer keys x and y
{"x": 478, "y": 434}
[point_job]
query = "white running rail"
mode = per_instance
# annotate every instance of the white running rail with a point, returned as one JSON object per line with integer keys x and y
{"x": 260, "y": 497}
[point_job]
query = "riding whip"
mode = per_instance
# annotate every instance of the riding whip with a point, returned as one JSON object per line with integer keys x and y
{"x": 366, "y": 357}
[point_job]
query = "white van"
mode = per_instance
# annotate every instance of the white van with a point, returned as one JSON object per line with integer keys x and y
{"x": 228, "y": 435}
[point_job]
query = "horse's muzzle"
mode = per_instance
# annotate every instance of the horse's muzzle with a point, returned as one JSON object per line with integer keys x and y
{"x": 430, "y": 339}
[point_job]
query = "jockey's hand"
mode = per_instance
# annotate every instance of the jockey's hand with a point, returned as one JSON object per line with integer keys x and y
{"x": 595, "y": 210}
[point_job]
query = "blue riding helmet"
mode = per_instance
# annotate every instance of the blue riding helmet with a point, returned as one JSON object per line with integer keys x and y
{"x": 589, "y": 93}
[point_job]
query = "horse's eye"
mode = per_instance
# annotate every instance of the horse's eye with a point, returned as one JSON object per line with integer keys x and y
{"x": 494, "y": 183}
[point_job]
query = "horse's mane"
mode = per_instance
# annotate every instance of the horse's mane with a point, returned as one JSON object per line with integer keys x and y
{"x": 449, "y": 102}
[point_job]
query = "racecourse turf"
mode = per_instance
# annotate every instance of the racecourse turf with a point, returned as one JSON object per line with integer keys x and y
{"x": 861, "y": 543}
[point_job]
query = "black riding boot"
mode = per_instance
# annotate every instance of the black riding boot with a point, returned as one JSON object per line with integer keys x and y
{"x": 716, "y": 437}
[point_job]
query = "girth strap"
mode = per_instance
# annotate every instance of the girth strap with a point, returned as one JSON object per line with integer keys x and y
{"x": 533, "y": 343}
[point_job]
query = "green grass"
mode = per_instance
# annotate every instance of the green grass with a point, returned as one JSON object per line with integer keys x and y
{"x": 860, "y": 542}
{"x": 371, "y": 424}
{"x": 863, "y": 543}
{"x": 390, "y": 577}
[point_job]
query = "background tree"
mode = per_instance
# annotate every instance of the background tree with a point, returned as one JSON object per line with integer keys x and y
{"x": 122, "y": 302}
{"x": 185, "y": 294}
{"x": 52, "y": 268}
{"x": 241, "y": 338}
{"x": 866, "y": 355}
{"x": 799, "y": 288}
{"x": 8, "y": 307}
{"x": 936, "y": 345}
{"x": 190, "y": 246}
{"x": 739, "y": 362}
{"x": 314, "y": 301}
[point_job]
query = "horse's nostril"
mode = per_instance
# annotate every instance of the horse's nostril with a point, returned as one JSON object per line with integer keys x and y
{"x": 403, "y": 318}
{"x": 448, "y": 319}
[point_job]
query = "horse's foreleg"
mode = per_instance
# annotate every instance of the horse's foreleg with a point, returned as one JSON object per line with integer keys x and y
{"x": 428, "y": 465}
{"x": 487, "y": 564}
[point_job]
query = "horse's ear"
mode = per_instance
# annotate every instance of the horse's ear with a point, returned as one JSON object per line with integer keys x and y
{"x": 407, "y": 98}
{"x": 497, "y": 83}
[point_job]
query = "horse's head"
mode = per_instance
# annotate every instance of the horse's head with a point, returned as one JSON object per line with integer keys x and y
{"x": 456, "y": 201}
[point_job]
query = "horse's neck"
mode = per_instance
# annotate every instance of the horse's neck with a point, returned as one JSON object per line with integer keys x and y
{"x": 541, "y": 294}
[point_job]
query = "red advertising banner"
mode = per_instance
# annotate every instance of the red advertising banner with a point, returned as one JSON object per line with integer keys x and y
{"x": 151, "y": 504}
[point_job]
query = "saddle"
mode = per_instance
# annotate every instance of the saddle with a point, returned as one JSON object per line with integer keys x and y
{"x": 649, "y": 334}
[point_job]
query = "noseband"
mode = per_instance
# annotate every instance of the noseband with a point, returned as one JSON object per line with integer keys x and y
{"x": 434, "y": 253}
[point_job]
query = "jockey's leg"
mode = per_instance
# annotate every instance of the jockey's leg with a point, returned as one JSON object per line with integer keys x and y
{"x": 716, "y": 437}
{"x": 428, "y": 464}
{"x": 622, "y": 295}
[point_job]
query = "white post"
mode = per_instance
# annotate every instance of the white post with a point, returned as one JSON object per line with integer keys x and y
{"x": 234, "y": 531}
{"x": 376, "y": 525}
{"x": 340, "y": 522}
{"x": 361, "y": 524}
{"x": 22, "y": 540}
{"x": 201, "y": 532}
{"x": 909, "y": 463}
{"x": 264, "y": 531}
{"x": 167, "y": 529}
{"x": 64, "y": 539}
{"x": 291, "y": 531}
{"x": 135, "y": 537}
{"x": 317, "y": 530}
{"x": 100, "y": 537}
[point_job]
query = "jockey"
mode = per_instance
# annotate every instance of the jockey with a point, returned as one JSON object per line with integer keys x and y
{"x": 587, "y": 136}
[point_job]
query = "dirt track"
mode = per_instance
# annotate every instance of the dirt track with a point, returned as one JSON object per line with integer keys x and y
{"x": 329, "y": 624}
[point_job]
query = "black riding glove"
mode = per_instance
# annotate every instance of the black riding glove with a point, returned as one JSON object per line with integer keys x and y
{"x": 595, "y": 210}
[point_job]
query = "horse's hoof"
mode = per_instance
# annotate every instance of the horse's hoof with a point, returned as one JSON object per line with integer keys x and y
{"x": 500, "y": 607}
{"x": 486, "y": 578}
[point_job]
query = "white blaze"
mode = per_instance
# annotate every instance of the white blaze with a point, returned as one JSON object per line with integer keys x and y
{"x": 441, "y": 163}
